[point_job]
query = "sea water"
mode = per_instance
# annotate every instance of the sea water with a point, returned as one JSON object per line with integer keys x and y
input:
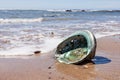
{"x": 22, "y": 32}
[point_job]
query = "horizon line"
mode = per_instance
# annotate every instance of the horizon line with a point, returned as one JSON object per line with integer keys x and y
{"x": 59, "y": 9}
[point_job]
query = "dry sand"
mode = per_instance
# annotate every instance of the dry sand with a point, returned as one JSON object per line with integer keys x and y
{"x": 105, "y": 66}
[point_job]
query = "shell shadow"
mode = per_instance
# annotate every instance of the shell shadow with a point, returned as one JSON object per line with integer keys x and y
{"x": 96, "y": 60}
{"x": 101, "y": 60}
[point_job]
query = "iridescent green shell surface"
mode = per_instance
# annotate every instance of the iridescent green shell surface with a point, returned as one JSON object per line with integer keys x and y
{"x": 76, "y": 48}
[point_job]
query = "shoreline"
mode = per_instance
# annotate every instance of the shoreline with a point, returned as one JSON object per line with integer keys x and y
{"x": 45, "y": 67}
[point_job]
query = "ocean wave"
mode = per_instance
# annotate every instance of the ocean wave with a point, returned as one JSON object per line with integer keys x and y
{"x": 2, "y": 21}
{"x": 59, "y": 19}
{"x": 20, "y": 20}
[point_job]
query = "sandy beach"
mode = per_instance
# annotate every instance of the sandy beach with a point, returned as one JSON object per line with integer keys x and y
{"x": 105, "y": 65}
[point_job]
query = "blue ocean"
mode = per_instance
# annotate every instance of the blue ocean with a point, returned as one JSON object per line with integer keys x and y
{"x": 24, "y": 31}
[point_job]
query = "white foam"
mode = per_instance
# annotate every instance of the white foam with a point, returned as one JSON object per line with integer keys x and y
{"x": 104, "y": 34}
{"x": 20, "y": 20}
{"x": 21, "y": 51}
{"x": 50, "y": 44}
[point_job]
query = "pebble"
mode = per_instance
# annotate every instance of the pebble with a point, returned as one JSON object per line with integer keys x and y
{"x": 49, "y": 67}
{"x": 37, "y": 52}
{"x": 85, "y": 66}
{"x": 49, "y": 77}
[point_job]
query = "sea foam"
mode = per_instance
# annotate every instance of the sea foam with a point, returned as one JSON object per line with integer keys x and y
{"x": 48, "y": 45}
{"x": 104, "y": 34}
{"x": 20, "y": 20}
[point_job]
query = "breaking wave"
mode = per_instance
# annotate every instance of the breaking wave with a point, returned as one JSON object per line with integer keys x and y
{"x": 20, "y": 20}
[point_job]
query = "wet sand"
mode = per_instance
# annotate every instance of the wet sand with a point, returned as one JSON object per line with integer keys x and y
{"x": 105, "y": 65}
